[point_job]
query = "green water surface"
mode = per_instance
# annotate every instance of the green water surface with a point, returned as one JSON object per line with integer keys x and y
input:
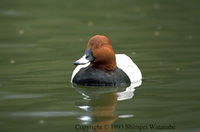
{"x": 40, "y": 40}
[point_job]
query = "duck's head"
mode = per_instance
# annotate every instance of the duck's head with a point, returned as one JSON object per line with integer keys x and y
{"x": 99, "y": 53}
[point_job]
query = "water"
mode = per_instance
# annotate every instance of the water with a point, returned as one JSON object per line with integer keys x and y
{"x": 40, "y": 40}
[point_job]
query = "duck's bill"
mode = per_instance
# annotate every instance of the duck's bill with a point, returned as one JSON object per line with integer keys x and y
{"x": 86, "y": 58}
{"x": 81, "y": 61}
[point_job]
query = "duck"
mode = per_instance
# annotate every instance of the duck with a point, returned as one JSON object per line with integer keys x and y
{"x": 100, "y": 66}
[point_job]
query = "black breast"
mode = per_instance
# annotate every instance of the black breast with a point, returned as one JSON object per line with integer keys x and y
{"x": 91, "y": 76}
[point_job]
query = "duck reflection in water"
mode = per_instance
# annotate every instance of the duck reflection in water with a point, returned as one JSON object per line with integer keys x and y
{"x": 101, "y": 102}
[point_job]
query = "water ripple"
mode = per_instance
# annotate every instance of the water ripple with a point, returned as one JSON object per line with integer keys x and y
{"x": 12, "y": 13}
{"x": 17, "y": 45}
{"x": 10, "y": 96}
{"x": 45, "y": 114}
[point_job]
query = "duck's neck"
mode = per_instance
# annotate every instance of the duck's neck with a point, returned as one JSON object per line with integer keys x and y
{"x": 107, "y": 67}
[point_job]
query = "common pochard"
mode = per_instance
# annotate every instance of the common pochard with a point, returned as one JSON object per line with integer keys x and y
{"x": 100, "y": 66}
